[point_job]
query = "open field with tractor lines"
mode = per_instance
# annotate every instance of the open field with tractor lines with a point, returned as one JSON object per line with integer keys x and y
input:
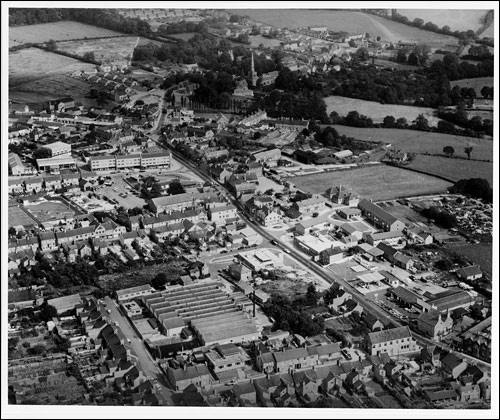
{"x": 58, "y": 31}
{"x": 380, "y": 182}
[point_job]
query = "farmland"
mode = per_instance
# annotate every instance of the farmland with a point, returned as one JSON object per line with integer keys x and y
{"x": 421, "y": 141}
{"x": 186, "y": 36}
{"x": 377, "y": 112}
{"x": 351, "y": 22}
{"x": 379, "y": 182}
{"x": 477, "y": 84}
{"x": 457, "y": 20}
{"x": 58, "y": 31}
{"x": 32, "y": 64}
{"x": 110, "y": 50}
{"x": 453, "y": 169}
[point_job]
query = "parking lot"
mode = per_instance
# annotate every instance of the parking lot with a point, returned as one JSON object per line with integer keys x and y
{"x": 121, "y": 192}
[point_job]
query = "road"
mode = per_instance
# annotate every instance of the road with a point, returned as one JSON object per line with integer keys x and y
{"x": 145, "y": 362}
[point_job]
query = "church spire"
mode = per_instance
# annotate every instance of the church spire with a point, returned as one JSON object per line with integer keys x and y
{"x": 253, "y": 74}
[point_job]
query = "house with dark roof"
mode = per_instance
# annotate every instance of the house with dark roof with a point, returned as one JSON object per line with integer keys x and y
{"x": 181, "y": 378}
{"x": 379, "y": 217}
{"x": 453, "y": 365}
{"x": 470, "y": 273}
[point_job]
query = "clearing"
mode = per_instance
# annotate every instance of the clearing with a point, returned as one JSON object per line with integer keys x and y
{"x": 421, "y": 141}
{"x": 185, "y": 36}
{"x": 476, "y": 83}
{"x": 256, "y": 40}
{"x": 58, "y": 31}
{"x": 112, "y": 50}
{"x": 33, "y": 64}
{"x": 456, "y": 19}
{"x": 376, "y": 111}
{"x": 348, "y": 21}
{"x": 379, "y": 182}
{"x": 453, "y": 169}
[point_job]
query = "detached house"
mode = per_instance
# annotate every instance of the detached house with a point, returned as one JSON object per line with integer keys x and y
{"x": 434, "y": 324}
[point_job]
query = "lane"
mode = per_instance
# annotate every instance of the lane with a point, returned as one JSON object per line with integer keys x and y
{"x": 145, "y": 361}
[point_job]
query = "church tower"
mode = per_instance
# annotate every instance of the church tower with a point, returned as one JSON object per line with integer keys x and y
{"x": 253, "y": 74}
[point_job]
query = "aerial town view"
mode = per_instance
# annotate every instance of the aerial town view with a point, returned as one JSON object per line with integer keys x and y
{"x": 250, "y": 208}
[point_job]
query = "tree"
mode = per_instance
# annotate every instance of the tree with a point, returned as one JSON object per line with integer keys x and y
{"x": 362, "y": 54}
{"x": 312, "y": 295}
{"x": 389, "y": 121}
{"x": 51, "y": 45}
{"x": 468, "y": 151}
{"x": 421, "y": 123}
{"x": 352, "y": 43}
{"x": 89, "y": 56}
{"x": 47, "y": 312}
{"x": 418, "y": 22}
{"x": 485, "y": 91}
{"x": 42, "y": 153}
{"x": 401, "y": 56}
{"x": 448, "y": 150}
{"x": 175, "y": 187}
{"x": 159, "y": 281}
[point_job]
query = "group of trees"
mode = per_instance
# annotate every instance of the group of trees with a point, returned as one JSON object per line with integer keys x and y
{"x": 460, "y": 117}
{"x": 291, "y": 317}
{"x": 440, "y": 216}
{"x": 474, "y": 187}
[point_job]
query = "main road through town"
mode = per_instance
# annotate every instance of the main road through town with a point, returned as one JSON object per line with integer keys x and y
{"x": 325, "y": 275}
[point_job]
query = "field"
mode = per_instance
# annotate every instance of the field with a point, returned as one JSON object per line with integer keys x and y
{"x": 453, "y": 169}
{"x": 32, "y": 64}
{"x": 53, "y": 87}
{"x": 478, "y": 253}
{"x": 379, "y": 182}
{"x": 457, "y": 20}
{"x": 17, "y": 217}
{"x": 420, "y": 141}
{"x": 49, "y": 211}
{"x": 256, "y": 40}
{"x": 58, "y": 31}
{"x": 376, "y": 111}
{"x": 184, "y": 36}
{"x": 110, "y": 50}
{"x": 476, "y": 83}
{"x": 347, "y": 21}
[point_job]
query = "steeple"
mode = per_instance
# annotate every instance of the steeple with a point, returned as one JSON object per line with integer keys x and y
{"x": 253, "y": 74}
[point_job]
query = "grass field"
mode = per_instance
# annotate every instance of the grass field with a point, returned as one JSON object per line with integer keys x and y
{"x": 376, "y": 111}
{"x": 420, "y": 141}
{"x": 52, "y": 88}
{"x": 58, "y": 31}
{"x": 49, "y": 211}
{"x": 351, "y": 22}
{"x": 476, "y": 83}
{"x": 105, "y": 50}
{"x": 17, "y": 217}
{"x": 453, "y": 169}
{"x": 457, "y": 20}
{"x": 256, "y": 40}
{"x": 481, "y": 253}
{"x": 379, "y": 182}
{"x": 32, "y": 64}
